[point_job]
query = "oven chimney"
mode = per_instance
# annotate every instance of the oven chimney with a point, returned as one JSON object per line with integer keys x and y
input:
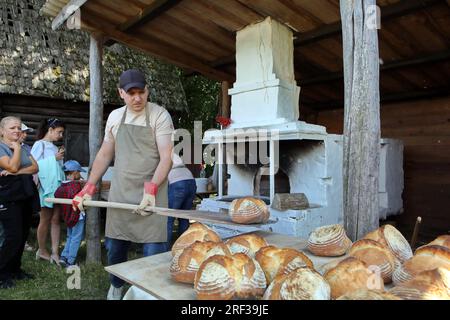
{"x": 265, "y": 91}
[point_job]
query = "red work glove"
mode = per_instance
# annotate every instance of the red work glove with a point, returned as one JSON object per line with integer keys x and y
{"x": 148, "y": 199}
{"x": 85, "y": 194}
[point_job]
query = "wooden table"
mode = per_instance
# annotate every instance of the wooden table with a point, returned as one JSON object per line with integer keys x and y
{"x": 152, "y": 275}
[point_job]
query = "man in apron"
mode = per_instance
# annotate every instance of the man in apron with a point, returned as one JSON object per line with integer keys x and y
{"x": 139, "y": 137}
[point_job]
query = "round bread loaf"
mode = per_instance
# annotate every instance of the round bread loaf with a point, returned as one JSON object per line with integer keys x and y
{"x": 443, "y": 241}
{"x": 186, "y": 263}
{"x": 394, "y": 240}
{"x": 275, "y": 261}
{"x": 352, "y": 274}
{"x": 329, "y": 241}
{"x": 246, "y": 243}
{"x": 364, "y": 294}
{"x": 229, "y": 277}
{"x": 375, "y": 254}
{"x": 248, "y": 210}
{"x": 425, "y": 258}
{"x": 427, "y": 285}
{"x": 301, "y": 284}
{"x": 196, "y": 232}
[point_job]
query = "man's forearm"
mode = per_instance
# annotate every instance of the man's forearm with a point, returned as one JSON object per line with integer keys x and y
{"x": 162, "y": 170}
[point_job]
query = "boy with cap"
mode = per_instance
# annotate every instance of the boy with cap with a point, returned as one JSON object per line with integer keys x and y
{"x": 74, "y": 219}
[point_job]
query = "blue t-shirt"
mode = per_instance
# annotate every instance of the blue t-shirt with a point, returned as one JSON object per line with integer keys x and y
{"x": 24, "y": 156}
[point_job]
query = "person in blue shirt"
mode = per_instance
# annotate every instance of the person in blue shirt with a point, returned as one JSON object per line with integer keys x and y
{"x": 17, "y": 191}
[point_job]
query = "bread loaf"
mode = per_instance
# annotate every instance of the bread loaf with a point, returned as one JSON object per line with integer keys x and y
{"x": 425, "y": 258}
{"x": 275, "y": 261}
{"x": 248, "y": 210}
{"x": 195, "y": 232}
{"x": 375, "y": 254}
{"x": 364, "y": 294}
{"x": 186, "y": 263}
{"x": 443, "y": 241}
{"x": 427, "y": 285}
{"x": 352, "y": 274}
{"x": 329, "y": 241}
{"x": 301, "y": 284}
{"x": 229, "y": 277}
{"x": 394, "y": 240}
{"x": 246, "y": 243}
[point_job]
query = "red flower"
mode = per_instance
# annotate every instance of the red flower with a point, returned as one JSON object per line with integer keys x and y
{"x": 223, "y": 121}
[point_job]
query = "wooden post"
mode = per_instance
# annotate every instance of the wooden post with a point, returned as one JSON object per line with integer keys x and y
{"x": 225, "y": 102}
{"x": 95, "y": 139}
{"x": 361, "y": 118}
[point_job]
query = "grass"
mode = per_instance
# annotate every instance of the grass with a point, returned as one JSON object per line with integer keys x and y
{"x": 51, "y": 281}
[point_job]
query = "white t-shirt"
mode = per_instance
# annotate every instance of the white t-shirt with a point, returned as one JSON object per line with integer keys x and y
{"x": 159, "y": 119}
{"x": 43, "y": 149}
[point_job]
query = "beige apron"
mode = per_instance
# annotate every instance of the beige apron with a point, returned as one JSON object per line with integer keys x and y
{"x": 136, "y": 159}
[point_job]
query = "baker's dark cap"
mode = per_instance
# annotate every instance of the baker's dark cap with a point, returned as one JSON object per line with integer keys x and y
{"x": 132, "y": 78}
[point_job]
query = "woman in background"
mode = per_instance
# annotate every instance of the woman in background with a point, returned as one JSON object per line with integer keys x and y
{"x": 182, "y": 189}
{"x": 50, "y": 160}
{"x": 17, "y": 191}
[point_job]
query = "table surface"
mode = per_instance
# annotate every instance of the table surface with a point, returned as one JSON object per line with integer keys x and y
{"x": 152, "y": 275}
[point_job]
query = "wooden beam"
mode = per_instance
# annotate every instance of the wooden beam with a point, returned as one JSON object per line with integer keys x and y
{"x": 151, "y": 12}
{"x": 389, "y": 98}
{"x": 148, "y": 14}
{"x": 158, "y": 50}
{"x": 388, "y": 12}
{"x": 95, "y": 140}
{"x": 66, "y": 12}
{"x": 333, "y": 76}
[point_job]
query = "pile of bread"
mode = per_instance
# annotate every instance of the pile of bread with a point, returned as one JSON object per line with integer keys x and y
{"x": 247, "y": 267}
{"x": 382, "y": 257}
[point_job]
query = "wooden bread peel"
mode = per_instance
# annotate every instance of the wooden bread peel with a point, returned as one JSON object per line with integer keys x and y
{"x": 197, "y": 215}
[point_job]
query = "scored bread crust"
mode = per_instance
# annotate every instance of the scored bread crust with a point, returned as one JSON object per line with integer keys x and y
{"x": 228, "y": 277}
{"x": 365, "y": 294}
{"x": 352, "y": 274}
{"x": 196, "y": 232}
{"x": 301, "y": 284}
{"x": 394, "y": 240}
{"x": 248, "y": 210}
{"x": 246, "y": 243}
{"x": 375, "y": 254}
{"x": 427, "y": 285}
{"x": 275, "y": 261}
{"x": 185, "y": 265}
{"x": 425, "y": 258}
{"x": 329, "y": 241}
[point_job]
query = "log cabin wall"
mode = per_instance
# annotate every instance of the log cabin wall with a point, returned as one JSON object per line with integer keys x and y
{"x": 424, "y": 128}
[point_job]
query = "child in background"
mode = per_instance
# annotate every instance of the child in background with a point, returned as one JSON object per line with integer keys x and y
{"x": 74, "y": 219}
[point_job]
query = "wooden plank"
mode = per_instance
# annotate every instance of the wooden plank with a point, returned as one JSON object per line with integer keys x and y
{"x": 152, "y": 275}
{"x": 215, "y": 14}
{"x": 286, "y": 201}
{"x": 66, "y": 12}
{"x": 197, "y": 215}
{"x": 200, "y": 24}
